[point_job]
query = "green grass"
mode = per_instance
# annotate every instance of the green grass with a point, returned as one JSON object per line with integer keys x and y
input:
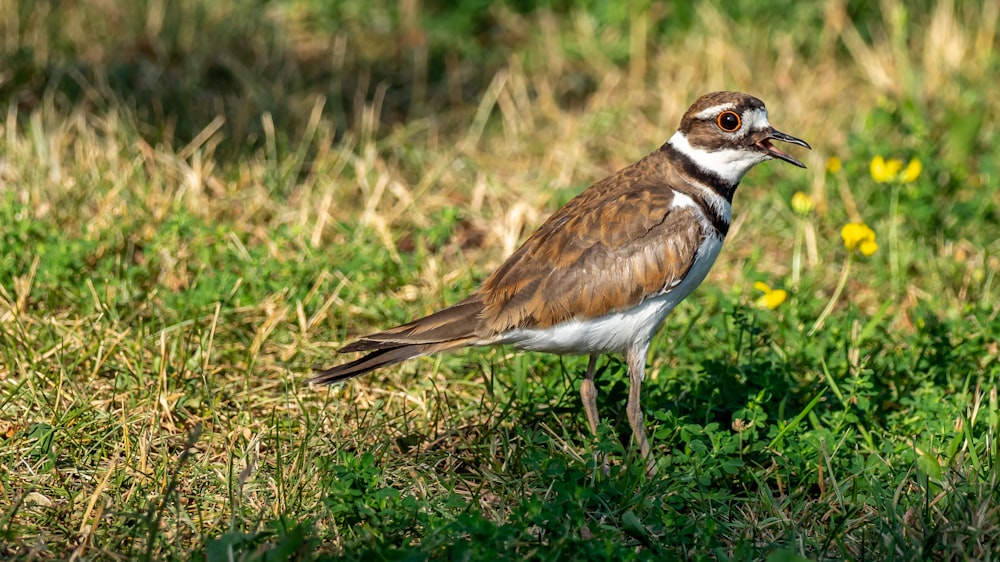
{"x": 202, "y": 201}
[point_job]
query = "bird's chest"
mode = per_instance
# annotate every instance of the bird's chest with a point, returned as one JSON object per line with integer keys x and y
{"x": 704, "y": 259}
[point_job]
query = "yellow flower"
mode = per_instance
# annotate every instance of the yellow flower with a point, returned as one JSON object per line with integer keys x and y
{"x": 803, "y": 203}
{"x": 868, "y": 247}
{"x": 833, "y": 164}
{"x": 858, "y": 236}
{"x": 885, "y": 171}
{"x": 912, "y": 171}
{"x": 772, "y": 298}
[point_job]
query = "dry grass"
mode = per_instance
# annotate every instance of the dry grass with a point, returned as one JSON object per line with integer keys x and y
{"x": 103, "y": 383}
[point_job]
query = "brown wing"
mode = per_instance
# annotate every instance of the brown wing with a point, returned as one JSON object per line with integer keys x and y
{"x": 617, "y": 243}
{"x": 614, "y": 245}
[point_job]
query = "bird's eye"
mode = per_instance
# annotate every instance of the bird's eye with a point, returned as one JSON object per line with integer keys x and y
{"x": 729, "y": 121}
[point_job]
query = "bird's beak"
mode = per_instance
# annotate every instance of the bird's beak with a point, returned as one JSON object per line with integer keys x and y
{"x": 774, "y": 134}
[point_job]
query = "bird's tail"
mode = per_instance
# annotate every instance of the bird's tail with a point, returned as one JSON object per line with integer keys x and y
{"x": 451, "y": 328}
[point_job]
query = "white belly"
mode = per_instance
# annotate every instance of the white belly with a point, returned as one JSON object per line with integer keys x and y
{"x": 618, "y": 331}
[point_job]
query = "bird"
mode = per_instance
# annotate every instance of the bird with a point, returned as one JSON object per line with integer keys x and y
{"x": 600, "y": 274}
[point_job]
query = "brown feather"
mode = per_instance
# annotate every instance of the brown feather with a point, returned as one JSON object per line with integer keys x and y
{"x": 390, "y": 354}
{"x": 608, "y": 249}
{"x": 456, "y": 322}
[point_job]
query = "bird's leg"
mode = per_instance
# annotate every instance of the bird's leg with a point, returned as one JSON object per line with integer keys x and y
{"x": 636, "y": 372}
{"x": 588, "y": 393}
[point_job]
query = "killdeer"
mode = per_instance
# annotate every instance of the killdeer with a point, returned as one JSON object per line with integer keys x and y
{"x": 601, "y": 274}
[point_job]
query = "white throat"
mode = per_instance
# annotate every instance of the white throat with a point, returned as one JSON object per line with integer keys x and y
{"x": 728, "y": 163}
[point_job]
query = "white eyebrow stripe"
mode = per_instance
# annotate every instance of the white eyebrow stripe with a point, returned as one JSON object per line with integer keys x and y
{"x": 715, "y": 109}
{"x": 756, "y": 119}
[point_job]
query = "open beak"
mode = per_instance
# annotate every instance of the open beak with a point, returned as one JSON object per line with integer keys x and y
{"x": 774, "y": 134}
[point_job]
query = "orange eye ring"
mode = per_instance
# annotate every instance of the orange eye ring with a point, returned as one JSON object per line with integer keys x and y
{"x": 729, "y": 121}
